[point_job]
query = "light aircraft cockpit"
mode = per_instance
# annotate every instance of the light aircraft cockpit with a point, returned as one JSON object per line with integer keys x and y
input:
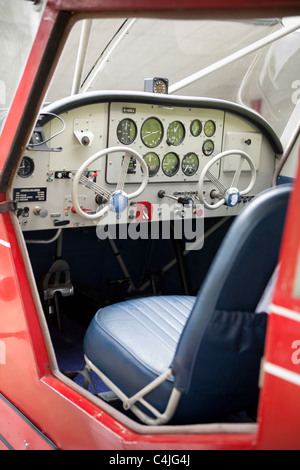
{"x": 154, "y": 137}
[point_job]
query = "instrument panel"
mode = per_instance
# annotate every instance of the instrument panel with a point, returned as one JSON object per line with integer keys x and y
{"x": 175, "y": 142}
{"x": 176, "y": 137}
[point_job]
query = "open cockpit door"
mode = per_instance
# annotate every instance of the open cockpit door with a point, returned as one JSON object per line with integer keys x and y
{"x": 152, "y": 133}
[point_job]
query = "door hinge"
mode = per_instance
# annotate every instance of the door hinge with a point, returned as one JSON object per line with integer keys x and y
{"x": 8, "y": 206}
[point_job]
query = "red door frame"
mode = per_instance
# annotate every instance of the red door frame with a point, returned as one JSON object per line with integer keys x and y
{"x": 279, "y": 402}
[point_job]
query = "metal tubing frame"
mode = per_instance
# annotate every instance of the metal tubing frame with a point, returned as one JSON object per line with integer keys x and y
{"x": 129, "y": 402}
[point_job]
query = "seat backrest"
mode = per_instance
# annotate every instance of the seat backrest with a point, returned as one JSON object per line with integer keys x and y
{"x": 223, "y": 321}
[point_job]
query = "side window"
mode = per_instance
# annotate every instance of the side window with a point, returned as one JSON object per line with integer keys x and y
{"x": 19, "y": 22}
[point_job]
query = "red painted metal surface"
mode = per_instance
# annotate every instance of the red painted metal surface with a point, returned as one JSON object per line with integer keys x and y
{"x": 280, "y": 404}
{"x": 69, "y": 420}
{"x": 20, "y": 431}
{"x": 3, "y": 446}
{"x": 160, "y": 5}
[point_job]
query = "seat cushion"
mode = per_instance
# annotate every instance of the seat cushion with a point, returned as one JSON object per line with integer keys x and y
{"x": 134, "y": 341}
{"x": 148, "y": 329}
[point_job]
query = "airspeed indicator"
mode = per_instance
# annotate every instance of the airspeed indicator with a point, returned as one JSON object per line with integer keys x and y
{"x": 152, "y": 132}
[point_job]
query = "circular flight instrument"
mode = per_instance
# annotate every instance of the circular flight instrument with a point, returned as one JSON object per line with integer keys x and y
{"x": 196, "y": 127}
{"x": 152, "y": 132}
{"x": 126, "y": 131}
{"x": 176, "y": 133}
{"x": 160, "y": 85}
{"x": 208, "y": 147}
{"x": 26, "y": 167}
{"x": 153, "y": 162}
{"x": 190, "y": 164}
{"x": 170, "y": 164}
{"x": 209, "y": 128}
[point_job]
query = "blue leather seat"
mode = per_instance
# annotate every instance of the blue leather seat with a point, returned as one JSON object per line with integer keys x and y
{"x": 198, "y": 357}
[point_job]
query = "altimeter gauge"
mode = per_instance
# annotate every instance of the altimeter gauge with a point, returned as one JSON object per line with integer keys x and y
{"x": 175, "y": 133}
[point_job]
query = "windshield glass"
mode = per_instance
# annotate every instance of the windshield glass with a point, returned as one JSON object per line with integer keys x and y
{"x": 121, "y": 53}
{"x": 19, "y": 22}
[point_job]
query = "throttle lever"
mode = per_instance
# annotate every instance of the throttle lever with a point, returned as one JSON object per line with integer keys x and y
{"x": 184, "y": 200}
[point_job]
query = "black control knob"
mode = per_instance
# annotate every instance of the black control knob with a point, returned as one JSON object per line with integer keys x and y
{"x": 60, "y": 223}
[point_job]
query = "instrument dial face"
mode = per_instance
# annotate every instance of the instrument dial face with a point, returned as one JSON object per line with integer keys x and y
{"x": 170, "y": 164}
{"x": 190, "y": 164}
{"x": 176, "y": 133}
{"x": 208, "y": 147}
{"x": 160, "y": 86}
{"x": 153, "y": 162}
{"x": 209, "y": 128}
{"x": 26, "y": 167}
{"x": 196, "y": 127}
{"x": 152, "y": 132}
{"x": 126, "y": 131}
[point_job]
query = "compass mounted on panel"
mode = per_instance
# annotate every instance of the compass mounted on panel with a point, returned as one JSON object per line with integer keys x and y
{"x": 156, "y": 85}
